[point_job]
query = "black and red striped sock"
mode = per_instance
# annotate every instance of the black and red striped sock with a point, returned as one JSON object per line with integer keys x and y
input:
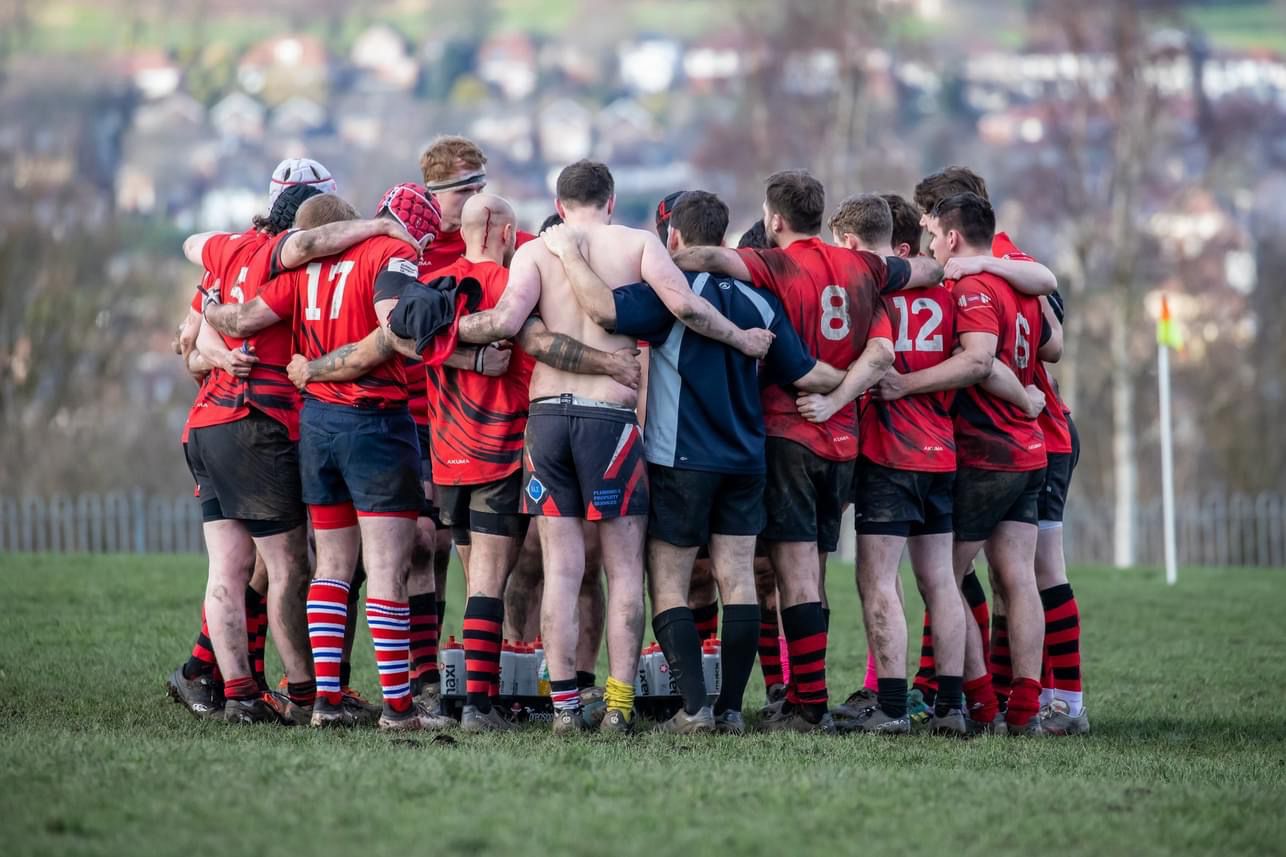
{"x": 805, "y": 629}
{"x": 976, "y": 598}
{"x": 769, "y": 650}
{"x": 1002, "y": 667}
{"x": 1063, "y": 644}
{"x": 202, "y": 660}
{"x": 926, "y": 676}
{"x": 707, "y": 619}
{"x": 257, "y": 634}
{"x": 424, "y": 639}
{"x": 483, "y": 631}
{"x": 302, "y": 692}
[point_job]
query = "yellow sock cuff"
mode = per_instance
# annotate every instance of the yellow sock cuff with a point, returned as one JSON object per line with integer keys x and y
{"x": 619, "y": 695}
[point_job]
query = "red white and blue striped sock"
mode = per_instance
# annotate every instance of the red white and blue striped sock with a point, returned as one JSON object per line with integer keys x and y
{"x": 565, "y": 695}
{"x": 327, "y": 618}
{"x": 390, "y": 624}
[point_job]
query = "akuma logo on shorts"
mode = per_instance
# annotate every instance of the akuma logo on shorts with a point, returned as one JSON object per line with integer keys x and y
{"x": 536, "y": 490}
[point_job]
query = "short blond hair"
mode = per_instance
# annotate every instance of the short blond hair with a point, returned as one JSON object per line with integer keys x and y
{"x": 866, "y": 215}
{"x": 447, "y": 154}
{"x": 322, "y": 209}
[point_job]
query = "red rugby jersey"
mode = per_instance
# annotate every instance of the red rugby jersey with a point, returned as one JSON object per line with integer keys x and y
{"x": 915, "y": 432}
{"x": 478, "y": 421}
{"x": 832, "y": 297}
{"x": 242, "y": 265}
{"x": 206, "y": 282}
{"x": 1053, "y": 420}
{"x": 992, "y": 434}
{"x": 332, "y": 303}
{"x": 445, "y": 249}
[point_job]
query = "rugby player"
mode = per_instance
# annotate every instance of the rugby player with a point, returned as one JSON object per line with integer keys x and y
{"x": 904, "y": 484}
{"x": 1061, "y": 611}
{"x": 358, "y": 449}
{"x": 241, "y": 452}
{"x": 1000, "y": 450}
{"x": 194, "y": 683}
{"x": 832, "y": 297}
{"x": 583, "y": 457}
{"x": 704, "y": 445}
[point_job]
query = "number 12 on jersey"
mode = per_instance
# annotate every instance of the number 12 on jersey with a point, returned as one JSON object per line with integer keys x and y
{"x": 340, "y": 270}
{"x": 926, "y": 340}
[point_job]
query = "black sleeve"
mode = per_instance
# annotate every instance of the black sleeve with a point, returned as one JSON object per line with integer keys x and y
{"x": 389, "y": 284}
{"x": 1045, "y": 330}
{"x": 899, "y": 273}
{"x": 275, "y": 268}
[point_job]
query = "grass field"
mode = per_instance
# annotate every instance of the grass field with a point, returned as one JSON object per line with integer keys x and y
{"x": 1184, "y": 686}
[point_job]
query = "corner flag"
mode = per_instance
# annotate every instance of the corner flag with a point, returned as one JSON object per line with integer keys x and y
{"x": 1167, "y": 332}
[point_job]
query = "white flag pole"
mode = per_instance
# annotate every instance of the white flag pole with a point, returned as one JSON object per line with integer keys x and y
{"x": 1167, "y": 466}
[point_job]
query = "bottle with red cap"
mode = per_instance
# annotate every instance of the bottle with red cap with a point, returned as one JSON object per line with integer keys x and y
{"x": 712, "y": 668}
{"x": 453, "y": 669}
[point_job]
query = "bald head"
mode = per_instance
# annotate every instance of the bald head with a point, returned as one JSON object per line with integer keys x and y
{"x": 487, "y": 224}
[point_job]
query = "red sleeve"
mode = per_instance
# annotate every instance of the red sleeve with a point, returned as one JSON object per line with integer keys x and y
{"x": 761, "y": 272}
{"x": 1005, "y": 248}
{"x": 881, "y": 324}
{"x": 212, "y": 251}
{"x": 522, "y": 238}
{"x": 976, "y": 309}
{"x": 279, "y": 294}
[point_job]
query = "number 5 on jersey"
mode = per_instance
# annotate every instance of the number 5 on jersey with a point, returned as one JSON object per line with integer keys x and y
{"x": 340, "y": 270}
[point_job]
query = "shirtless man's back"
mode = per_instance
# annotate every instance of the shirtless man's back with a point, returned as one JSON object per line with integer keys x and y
{"x": 583, "y": 455}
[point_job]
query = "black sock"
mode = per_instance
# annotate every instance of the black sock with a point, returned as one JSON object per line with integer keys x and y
{"x": 585, "y": 679}
{"x": 892, "y": 696}
{"x": 302, "y": 692}
{"x": 826, "y": 617}
{"x": 196, "y": 667}
{"x": 737, "y": 653}
{"x": 442, "y": 612}
{"x": 345, "y": 673}
{"x": 950, "y": 695}
{"x": 677, "y": 633}
{"x": 707, "y": 618}
{"x": 483, "y": 634}
{"x": 971, "y": 586}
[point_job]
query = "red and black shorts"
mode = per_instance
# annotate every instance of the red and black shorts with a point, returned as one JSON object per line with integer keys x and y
{"x": 905, "y": 503}
{"x": 583, "y": 459}
{"x": 492, "y": 508}
{"x": 248, "y": 471}
{"x": 805, "y": 495}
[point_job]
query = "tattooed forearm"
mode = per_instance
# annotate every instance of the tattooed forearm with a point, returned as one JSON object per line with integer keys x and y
{"x": 561, "y": 352}
{"x": 332, "y": 362}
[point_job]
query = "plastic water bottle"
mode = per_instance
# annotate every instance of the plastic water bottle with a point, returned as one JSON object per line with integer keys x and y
{"x": 507, "y": 669}
{"x": 642, "y": 681}
{"x": 528, "y": 669}
{"x": 542, "y": 670}
{"x": 453, "y": 669}
{"x": 712, "y": 668}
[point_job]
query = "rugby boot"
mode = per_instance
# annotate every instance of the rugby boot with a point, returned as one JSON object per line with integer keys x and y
{"x": 243, "y": 711}
{"x": 400, "y": 721}
{"x": 327, "y": 715}
{"x": 1056, "y": 720}
{"x": 873, "y": 720}
{"x": 288, "y": 712}
{"x": 792, "y": 720}
{"x": 857, "y": 703}
{"x": 473, "y": 720}
{"x": 953, "y": 724}
{"x": 730, "y": 723}
{"x": 363, "y": 711}
{"x": 616, "y": 723}
{"x": 682, "y": 723}
{"x": 568, "y": 722}
{"x": 200, "y": 695}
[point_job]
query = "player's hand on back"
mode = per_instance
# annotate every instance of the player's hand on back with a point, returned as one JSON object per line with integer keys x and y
{"x": 891, "y": 387}
{"x": 1037, "y": 402}
{"x": 394, "y": 229}
{"x": 298, "y": 371}
{"x": 963, "y": 266}
{"x": 239, "y": 363}
{"x": 755, "y": 342}
{"x": 815, "y": 407}
{"x": 626, "y": 369}
{"x": 562, "y": 239}
{"x": 495, "y": 357}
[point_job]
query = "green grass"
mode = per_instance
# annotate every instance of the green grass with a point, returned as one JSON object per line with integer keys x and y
{"x": 1184, "y": 686}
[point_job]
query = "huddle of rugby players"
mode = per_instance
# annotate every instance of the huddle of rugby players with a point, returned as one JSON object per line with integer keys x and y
{"x": 373, "y": 392}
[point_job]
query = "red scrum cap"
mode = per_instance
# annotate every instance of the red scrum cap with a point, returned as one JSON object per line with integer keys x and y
{"x": 414, "y": 209}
